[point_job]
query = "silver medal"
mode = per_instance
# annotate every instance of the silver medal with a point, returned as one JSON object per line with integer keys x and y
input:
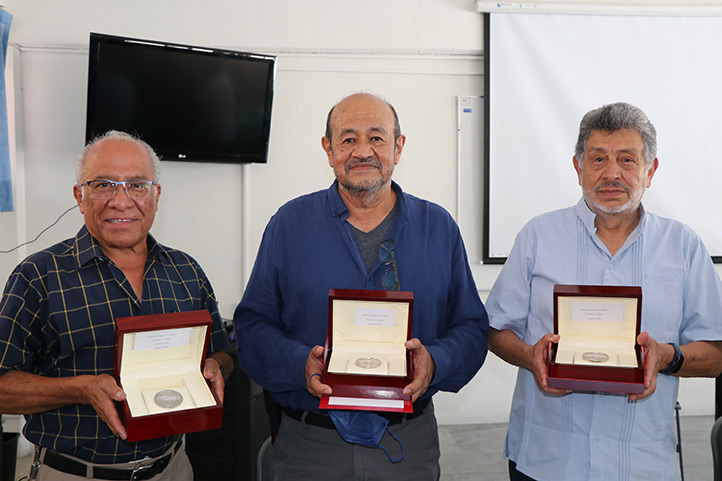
{"x": 368, "y": 362}
{"x": 593, "y": 356}
{"x": 168, "y": 398}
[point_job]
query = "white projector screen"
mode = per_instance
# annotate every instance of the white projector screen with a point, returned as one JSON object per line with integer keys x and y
{"x": 545, "y": 71}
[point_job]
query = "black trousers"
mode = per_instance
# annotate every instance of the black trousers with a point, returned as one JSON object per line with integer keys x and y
{"x": 515, "y": 475}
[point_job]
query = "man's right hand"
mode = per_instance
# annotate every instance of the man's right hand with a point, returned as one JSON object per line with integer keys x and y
{"x": 102, "y": 393}
{"x": 538, "y": 363}
{"x": 507, "y": 345}
{"x": 25, "y": 393}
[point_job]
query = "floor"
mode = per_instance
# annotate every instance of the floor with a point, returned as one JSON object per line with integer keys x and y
{"x": 473, "y": 452}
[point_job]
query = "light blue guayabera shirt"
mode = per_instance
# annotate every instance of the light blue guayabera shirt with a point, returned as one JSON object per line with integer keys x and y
{"x": 602, "y": 436}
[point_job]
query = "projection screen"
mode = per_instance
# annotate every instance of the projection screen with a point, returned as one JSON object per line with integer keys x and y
{"x": 545, "y": 71}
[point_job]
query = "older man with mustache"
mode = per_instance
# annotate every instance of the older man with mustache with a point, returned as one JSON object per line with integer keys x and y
{"x": 606, "y": 239}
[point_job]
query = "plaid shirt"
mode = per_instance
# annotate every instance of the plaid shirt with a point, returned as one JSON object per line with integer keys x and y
{"x": 57, "y": 319}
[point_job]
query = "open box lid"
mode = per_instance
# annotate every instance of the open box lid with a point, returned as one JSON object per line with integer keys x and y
{"x": 610, "y": 313}
{"x": 155, "y": 345}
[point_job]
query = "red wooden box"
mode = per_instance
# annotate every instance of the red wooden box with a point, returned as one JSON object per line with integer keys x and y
{"x": 366, "y": 363}
{"x": 597, "y": 350}
{"x": 165, "y": 352}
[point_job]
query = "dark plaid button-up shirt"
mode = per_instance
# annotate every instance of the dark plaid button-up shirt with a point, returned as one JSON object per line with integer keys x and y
{"x": 57, "y": 319}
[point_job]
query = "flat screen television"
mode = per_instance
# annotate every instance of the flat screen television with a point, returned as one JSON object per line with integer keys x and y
{"x": 189, "y": 103}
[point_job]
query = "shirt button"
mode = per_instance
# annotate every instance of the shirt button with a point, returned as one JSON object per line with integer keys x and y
{"x": 596, "y": 438}
{"x": 611, "y": 266}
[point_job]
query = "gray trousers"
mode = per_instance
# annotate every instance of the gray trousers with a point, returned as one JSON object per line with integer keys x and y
{"x": 179, "y": 469}
{"x": 306, "y": 452}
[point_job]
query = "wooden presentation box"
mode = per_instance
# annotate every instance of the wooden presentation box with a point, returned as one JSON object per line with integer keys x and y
{"x": 366, "y": 363}
{"x": 158, "y": 357}
{"x": 598, "y": 328}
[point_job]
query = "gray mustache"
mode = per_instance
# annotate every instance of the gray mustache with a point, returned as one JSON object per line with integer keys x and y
{"x": 367, "y": 160}
{"x": 614, "y": 184}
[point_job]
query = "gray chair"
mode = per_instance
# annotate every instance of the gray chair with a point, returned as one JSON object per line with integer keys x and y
{"x": 266, "y": 464}
{"x": 716, "y": 439}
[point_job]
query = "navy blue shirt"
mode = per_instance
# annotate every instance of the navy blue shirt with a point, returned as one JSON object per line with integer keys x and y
{"x": 308, "y": 248}
{"x": 57, "y": 319}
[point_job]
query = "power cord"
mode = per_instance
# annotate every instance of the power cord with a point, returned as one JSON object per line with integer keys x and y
{"x": 41, "y": 232}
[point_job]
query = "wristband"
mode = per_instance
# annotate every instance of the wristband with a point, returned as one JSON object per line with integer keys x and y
{"x": 314, "y": 374}
{"x": 677, "y": 361}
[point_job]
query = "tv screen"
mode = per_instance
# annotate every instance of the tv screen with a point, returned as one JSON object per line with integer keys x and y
{"x": 189, "y": 103}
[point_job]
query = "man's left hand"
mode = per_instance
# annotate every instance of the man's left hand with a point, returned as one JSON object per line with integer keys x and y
{"x": 212, "y": 371}
{"x": 424, "y": 369}
{"x": 314, "y": 371}
{"x": 654, "y": 360}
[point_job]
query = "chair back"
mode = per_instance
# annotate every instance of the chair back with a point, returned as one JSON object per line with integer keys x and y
{"x": 266, "y": 462}
{"x": 716, "y": 439}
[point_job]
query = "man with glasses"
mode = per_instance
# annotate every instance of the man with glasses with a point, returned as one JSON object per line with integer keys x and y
{"x": 363, "y": 232}
{"x": 57, "y": 326}
{"x": 606, "y": 239}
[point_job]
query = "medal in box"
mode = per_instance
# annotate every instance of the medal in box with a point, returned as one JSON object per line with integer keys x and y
{"x": 159, "y": 363}
{"x": 598, "y": 328}
{"x": 366, "y": 363}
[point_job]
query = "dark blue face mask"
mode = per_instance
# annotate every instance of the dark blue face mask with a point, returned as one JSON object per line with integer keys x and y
{"x": 364, "y": 428}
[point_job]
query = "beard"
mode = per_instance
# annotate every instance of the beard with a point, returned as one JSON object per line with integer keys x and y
{"x": 367, "y": 187}
{"x": 635, "y": 198}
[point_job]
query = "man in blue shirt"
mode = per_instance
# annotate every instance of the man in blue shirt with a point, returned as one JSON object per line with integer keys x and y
{"x": 606, "y": 239}
{"x": 330, "y": 239}
{"x": 57, "y": 322}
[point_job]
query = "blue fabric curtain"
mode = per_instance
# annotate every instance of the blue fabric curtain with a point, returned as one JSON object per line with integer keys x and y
{"x": 6, "y": 180}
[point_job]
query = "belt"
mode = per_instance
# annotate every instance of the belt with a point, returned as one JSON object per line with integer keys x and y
{"x": 63, "y": 463}
{"x": 323, "y": 420}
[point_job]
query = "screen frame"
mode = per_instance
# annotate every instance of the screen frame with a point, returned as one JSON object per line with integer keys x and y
{"x": 98, "y": 40}
{"x": 681, "y": 164}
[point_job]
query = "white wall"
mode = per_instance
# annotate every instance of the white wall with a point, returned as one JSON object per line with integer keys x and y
{"x": 419, "y": 54}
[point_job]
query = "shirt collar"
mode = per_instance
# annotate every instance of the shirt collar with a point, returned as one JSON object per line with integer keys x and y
{"x": 88, "y": 248}
{"x": 339, "y": 207}
{"x": 587, "y": 217}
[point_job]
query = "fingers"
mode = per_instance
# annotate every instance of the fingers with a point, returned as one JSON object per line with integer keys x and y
{"x": 539, "y": 363}
{"x": 416, "y": 389}
{"x": 212, "y": 372}
{"x": 314, "y": 371}
{"x": 648, "y": 391}
{"x": 413, "y": 344}
{"x": 643, "y": 338}
{"x": 103, "y": 394}
{"x": 107, "y": 385}
{"x": 424, "y": 369}
{"x": 316, "y": 387}
{"x": 651, "y": 353}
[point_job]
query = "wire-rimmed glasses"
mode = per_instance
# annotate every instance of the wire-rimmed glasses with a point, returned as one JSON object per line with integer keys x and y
{"x": 102, "y": 189}
{"x": 390, "y": 277}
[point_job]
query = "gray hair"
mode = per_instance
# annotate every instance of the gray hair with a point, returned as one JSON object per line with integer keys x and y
{"x": 397, "y": 125}
{"x": 617, "y": 116}
{"x": 117, "y": 134}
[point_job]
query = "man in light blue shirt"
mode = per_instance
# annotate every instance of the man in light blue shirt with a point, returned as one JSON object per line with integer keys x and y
{"x": 606, "y": 239}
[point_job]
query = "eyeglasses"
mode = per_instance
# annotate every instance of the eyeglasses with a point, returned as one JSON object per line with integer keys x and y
{"x": 390, "y": 278}
{"x": 106, "y": 189}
